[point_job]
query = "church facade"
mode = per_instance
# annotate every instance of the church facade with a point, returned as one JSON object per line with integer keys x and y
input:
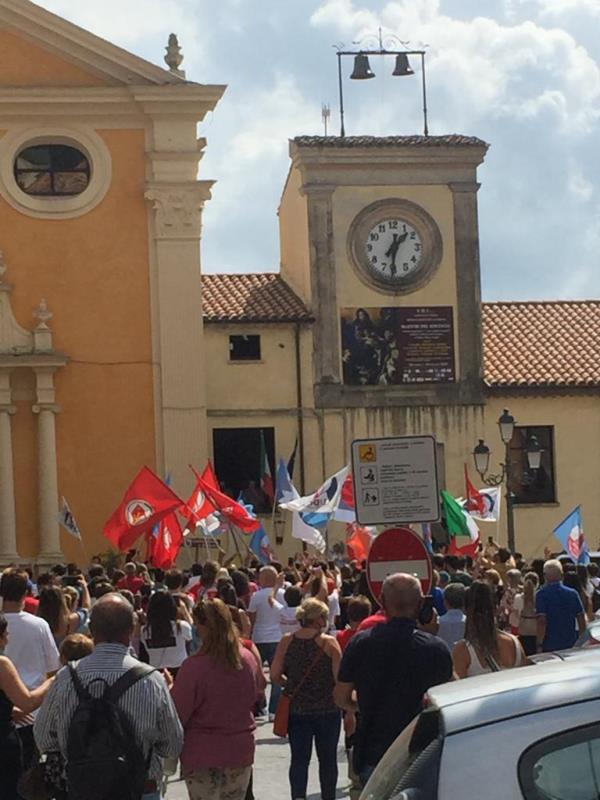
{"x": 373, "y": 327}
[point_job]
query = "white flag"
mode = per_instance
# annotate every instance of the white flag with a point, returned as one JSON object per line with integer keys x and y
{"x": 300, "y": 530}
{"x": 67, "y": 520}
{"x": 325, "y": 500}
{"x": 491, "y": 501}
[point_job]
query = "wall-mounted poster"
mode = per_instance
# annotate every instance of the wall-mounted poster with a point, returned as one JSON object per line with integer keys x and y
{"x": 395, "y": 346}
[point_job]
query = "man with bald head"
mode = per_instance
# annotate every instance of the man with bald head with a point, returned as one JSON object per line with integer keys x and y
{"x": 147, "y": 702}
{"x": 266, "y": 630}
{"x": 390, "y": 667}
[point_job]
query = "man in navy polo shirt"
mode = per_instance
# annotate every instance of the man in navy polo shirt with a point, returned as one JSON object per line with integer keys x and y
{"x": 561, "y": 617}
{"x": 390, "y": 667}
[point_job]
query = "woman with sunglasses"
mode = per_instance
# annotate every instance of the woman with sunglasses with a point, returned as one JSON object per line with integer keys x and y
{"x": 306, "y": 664}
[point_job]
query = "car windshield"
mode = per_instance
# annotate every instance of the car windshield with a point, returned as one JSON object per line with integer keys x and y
{"x": 387, "y": 779}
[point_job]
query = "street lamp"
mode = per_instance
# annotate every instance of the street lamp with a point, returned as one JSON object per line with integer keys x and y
{"x": 362, "y": 68}
{"x": 481, "y": 456}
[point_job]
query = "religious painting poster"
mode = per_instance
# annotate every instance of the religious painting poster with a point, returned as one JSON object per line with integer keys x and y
{"x": 397, "y": 346}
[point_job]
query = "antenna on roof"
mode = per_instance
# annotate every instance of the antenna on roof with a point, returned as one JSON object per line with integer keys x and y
{"x": 325, "y": 114}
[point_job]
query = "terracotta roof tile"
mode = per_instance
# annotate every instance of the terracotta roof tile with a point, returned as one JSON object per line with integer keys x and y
{"x": 542, "y": 344}
{"x": 259, "y": 297}
{"x": 389, "y": 141}
{"x": 526, "y": 344}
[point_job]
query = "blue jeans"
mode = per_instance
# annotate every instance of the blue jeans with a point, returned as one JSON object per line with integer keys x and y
{"x": 325, "y": 730}
{"x": 267, "y": 653}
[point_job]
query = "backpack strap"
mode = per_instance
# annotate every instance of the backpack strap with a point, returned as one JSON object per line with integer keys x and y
{"x": 126, "y": 681}
{"x": 82, "y": 692}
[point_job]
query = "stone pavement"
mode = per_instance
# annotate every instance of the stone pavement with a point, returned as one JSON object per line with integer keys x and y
{"x": 271, "y": 770}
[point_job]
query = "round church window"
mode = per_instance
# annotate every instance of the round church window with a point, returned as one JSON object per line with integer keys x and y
{"x": 52, "y": 170}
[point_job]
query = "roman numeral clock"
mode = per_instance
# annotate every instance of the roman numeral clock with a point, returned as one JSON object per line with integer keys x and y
{"x": 395, "y": 245}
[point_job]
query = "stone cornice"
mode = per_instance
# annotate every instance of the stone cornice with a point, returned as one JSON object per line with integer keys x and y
{"x": 33, "y": 361}
{"x": 186, "y": 101}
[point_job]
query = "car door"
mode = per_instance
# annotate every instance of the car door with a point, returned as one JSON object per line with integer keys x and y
{"x": 484, "y": 761}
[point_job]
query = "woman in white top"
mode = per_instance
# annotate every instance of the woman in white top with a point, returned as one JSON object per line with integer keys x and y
{"x": 524, "y": 606}
{"x": 164, "y": 637}
{"x": 484, "y": 648}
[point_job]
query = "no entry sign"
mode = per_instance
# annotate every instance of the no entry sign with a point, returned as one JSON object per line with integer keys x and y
{"x": 398, "y": 550}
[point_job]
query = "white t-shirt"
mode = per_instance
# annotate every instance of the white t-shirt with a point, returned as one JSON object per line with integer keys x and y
{"x": 31, "y": 648}
{"x": 168, "y": 657}
{"x": 333, "y": 601}
{"x": 287, "y": 619}
{"x": 266, "y": 625}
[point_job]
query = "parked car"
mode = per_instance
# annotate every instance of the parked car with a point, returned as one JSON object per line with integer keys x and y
{"x": 521, "y": 734}
{"x": 589, "y": 639}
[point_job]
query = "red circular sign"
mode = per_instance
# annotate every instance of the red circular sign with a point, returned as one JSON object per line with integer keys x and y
{"x": 398, "y": 550}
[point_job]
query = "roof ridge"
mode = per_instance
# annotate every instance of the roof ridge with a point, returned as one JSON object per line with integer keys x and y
{"x": 594, "y": 300}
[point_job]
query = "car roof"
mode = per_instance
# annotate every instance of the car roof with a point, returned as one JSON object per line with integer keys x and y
{"x": 483, "y": 699}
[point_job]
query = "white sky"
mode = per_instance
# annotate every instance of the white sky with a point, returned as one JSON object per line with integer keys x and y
{"x": 522, "y": 74}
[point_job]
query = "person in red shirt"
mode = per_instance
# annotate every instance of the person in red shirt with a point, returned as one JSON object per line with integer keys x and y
{"x": 131, "y": 581}
{"x": 359, "y": 609}
{"x": 207, "y": 588}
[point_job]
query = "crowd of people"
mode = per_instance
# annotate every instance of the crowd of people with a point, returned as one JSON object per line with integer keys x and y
{"x": 109, "y": 677}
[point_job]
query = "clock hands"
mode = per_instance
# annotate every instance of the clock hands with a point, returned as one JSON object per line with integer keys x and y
{"x": 392, "y": 250}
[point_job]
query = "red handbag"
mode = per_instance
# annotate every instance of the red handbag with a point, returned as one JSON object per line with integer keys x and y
{"x": 281, "y": 722}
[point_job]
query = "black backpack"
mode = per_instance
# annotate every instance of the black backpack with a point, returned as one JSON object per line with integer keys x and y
{"x": 104, "y": 762}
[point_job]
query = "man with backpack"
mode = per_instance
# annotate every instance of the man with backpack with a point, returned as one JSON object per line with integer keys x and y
{"x": 110, "y": 717}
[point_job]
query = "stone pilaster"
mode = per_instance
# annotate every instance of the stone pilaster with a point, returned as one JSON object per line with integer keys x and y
{"x": 8, "y": 519}
{"x": 323, "y": 277}
{"x": 468, "y": 285}
{"x": 180, "y": 392}
{"x": 46, "y": 409}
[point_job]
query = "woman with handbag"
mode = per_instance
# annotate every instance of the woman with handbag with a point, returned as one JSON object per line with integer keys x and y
{"x": 306, "y": 664}
{"x": 485, "y": 648}
{"x": 13, "y": 693}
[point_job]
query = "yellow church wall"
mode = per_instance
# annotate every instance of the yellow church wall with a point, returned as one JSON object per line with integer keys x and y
{"x": 24, "y": 64}
{"x": 93, "y": 272}
{"x": 293, "y": 235}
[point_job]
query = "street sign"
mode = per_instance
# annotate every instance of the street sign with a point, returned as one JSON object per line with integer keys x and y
{"x": 395, "y": 480}
{"x": 398, "y": 550}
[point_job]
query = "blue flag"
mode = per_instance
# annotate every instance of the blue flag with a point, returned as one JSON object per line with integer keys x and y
{"x": 260, "y": 544}
{"x": 284, "y": 488}
{"x": 570, "y": 535}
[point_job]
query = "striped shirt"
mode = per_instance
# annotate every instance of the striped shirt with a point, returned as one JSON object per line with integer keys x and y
{"x": 147, "y": 703}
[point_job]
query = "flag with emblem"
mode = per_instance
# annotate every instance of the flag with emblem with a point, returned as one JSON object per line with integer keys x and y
{"x": 325, "y": 500}
{"x": 570, "y": 534}
{"x": 199, "y": 507}
{"x": 235, "y": 513}
{"x": 165, "y": 546}
{"x": 67, "y": 520}
{"x": 147, "y": 501}
{"x": 462, "y": 528}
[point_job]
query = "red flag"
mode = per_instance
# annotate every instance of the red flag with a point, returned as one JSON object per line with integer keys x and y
{"x": 266, "y": 477}
{"x": 234, "y": 512}
{"x": 475, "y": 501}
{"x": 358, "y": 542}
{"x": 198, "y": 507}
{"x": 468, "y": 549}
{"x": 145, "y": 503}
{"x": 165, "y": 546}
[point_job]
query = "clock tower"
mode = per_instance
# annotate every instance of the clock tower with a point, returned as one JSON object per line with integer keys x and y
{"x": 379, "y": 235}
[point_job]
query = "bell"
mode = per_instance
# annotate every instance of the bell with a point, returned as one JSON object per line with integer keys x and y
{"x": 362, "y": 69}
{"x": 402, "y": 66}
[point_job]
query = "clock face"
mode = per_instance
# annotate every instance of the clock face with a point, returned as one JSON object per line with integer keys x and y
{"x": 394, "y": 250}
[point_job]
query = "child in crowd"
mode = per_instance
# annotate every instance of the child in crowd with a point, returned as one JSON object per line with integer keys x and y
{"x": 75, "y": 647}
